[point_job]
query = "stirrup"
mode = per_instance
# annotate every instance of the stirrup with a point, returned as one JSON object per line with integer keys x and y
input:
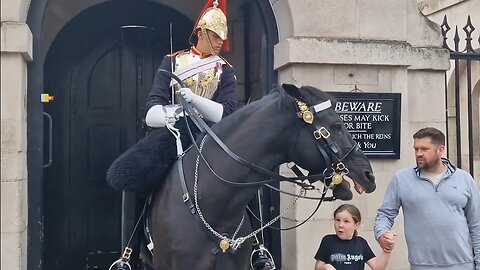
{"x": 122, "y": 263}
{"x": 262, "y": 250}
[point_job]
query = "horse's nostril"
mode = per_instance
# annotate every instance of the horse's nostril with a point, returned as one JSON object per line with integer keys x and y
{"x": 370, "y": 176}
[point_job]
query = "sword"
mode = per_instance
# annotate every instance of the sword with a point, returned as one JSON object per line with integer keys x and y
{"x": 171, "y": 63}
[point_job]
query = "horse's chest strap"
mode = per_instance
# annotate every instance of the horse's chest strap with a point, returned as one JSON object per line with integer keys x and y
{"x": 188, "y": 201}
{"x": 186, "y": 196}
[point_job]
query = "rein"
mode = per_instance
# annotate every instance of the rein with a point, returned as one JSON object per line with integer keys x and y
{"x": 203, "y": 127}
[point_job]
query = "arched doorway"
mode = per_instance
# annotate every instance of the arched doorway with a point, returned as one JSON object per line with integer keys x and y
{"x": 100, "y": 72}
{"x": 100, "y": 76}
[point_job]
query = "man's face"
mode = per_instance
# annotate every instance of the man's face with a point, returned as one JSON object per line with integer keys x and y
{"x": 427, "y": 154}
{"x": 204, "y": 47}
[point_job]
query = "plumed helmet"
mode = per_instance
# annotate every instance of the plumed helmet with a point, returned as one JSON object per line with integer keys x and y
{"x": 213, "y": 19}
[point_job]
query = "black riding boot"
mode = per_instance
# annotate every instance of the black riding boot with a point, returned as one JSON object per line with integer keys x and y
{"x": 261, "y": 259}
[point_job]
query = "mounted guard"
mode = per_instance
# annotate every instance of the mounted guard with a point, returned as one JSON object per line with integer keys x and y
{"x": 211, "y": 90}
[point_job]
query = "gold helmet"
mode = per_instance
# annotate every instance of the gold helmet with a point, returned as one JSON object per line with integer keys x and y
{"x": 213, "y": 19}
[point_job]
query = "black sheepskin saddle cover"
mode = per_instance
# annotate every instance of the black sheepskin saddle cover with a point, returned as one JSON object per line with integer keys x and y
{"x": 143, "y": 167}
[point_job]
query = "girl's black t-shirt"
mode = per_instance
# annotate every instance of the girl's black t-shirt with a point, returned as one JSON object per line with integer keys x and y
{"x": 344, "y": 254}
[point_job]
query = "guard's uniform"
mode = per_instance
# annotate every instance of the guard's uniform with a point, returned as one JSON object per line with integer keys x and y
{"x": 217, "y": 83}
{"x": 146, "y": 164}
{"x": 143, "y": 167}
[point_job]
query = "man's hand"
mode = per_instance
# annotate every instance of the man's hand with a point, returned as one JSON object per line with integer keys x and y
{"x": 187, "y": 94}
{"x": 387, "y": 241}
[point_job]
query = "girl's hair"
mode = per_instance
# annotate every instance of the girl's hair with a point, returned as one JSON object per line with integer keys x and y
{"x": 353, "y": 210}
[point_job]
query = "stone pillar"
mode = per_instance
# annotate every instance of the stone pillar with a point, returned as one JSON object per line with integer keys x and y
{"x": 377, "y": 46}
{"x": 16, "y": 50}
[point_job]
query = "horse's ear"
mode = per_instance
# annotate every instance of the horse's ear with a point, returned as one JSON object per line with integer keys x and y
{"x": 292, "y": 90}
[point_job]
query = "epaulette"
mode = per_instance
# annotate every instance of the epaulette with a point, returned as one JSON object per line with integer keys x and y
{"x": 178, "y": 52}
{"x": 226, "y": 62}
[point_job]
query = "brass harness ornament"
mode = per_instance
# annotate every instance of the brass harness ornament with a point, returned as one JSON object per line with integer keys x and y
{"x": 224, "y": 245}
{"x": 305, "y": 112}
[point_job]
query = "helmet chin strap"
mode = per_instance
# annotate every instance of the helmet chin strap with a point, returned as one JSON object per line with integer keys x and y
{"x": 204, "y": 31}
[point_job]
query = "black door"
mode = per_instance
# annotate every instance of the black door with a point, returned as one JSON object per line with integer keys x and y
{"x": 100, "y": 69}
{"x": 99, "y": 95}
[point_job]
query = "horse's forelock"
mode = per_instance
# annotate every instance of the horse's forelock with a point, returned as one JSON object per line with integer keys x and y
{"x": 284, "y": 100}
{"x": 312, "y": 96}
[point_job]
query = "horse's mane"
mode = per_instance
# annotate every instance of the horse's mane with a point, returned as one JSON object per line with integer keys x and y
{"x": 276, "y": 95}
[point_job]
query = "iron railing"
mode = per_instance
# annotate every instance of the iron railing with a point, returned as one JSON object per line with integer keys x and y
{"x": 461, "y": 56}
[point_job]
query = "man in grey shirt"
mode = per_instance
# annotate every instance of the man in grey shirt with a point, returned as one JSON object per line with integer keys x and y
{"x": 441, "y": 209}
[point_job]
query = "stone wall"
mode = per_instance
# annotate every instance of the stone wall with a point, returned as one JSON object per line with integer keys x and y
{"x": 388, "y": 46}
{"x": 16, "y": 51}
{"x": 381, "y": 47}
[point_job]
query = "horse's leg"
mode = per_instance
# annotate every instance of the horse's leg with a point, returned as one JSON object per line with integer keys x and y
{"x": 161, "y": 215}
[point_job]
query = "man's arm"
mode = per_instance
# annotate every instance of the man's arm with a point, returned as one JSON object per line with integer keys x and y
{"x": 227, "y": 92}
{"x": 386, "y": 214}
{"x": 472, "y": 214}
{"x": 160, "y": 93}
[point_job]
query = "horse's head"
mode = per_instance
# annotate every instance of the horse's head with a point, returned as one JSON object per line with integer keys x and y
{"x": 323, "y": 144}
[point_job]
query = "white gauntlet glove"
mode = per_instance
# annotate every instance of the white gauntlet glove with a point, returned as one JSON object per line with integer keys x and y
{"x": 156, "y": 117}
{"x": 209, "y": 109}
{"x": 160, "y": 115}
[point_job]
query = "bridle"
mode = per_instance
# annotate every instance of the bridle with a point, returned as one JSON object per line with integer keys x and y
{"x": 324, "y": 143}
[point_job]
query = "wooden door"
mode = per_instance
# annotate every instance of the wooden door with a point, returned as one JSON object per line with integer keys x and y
{"x": 99, "y": 96}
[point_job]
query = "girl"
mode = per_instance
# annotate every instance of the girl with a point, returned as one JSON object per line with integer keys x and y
{"x": 344, "y": 249}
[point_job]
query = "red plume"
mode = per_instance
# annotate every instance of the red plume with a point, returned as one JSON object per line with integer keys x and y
{"x": 222, "y": 5}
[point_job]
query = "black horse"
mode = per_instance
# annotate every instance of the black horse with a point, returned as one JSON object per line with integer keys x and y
{"x": 207, "y": 226}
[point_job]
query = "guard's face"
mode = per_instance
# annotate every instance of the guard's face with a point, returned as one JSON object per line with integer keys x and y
{"x": 427, "y": 154}
{"x": 203, "y": 45}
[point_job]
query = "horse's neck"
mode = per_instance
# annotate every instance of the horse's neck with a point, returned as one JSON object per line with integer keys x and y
{"x": 261, "y": 138}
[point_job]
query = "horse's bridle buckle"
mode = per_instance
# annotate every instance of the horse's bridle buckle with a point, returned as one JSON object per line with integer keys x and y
{"x": 340, "y": 166}
{"x": 321, "y": 133}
